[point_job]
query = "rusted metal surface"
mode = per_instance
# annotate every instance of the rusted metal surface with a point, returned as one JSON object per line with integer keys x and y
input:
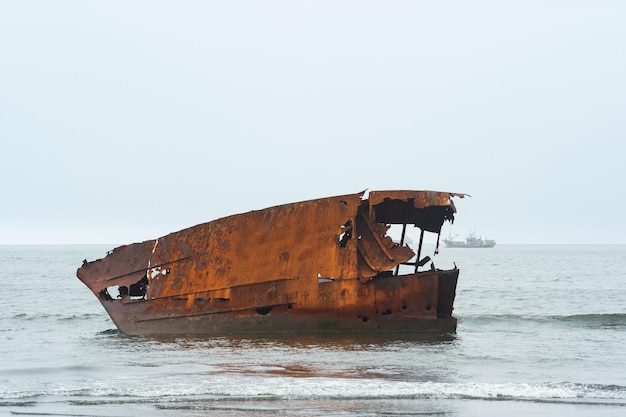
{"x": 324, "y": 265}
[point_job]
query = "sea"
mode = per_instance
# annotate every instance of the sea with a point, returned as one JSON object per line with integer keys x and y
{"x": 541, "y": 331}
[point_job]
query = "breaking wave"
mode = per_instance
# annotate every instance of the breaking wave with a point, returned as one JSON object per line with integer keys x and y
{"x": 222, "y": 389}
{"x": 57, "y": 317}
{"x": 616, "y": 320}
{"x": 602, "y": 320}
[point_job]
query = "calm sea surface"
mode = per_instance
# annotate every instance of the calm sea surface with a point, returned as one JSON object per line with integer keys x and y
{"x": 542, "y": 331}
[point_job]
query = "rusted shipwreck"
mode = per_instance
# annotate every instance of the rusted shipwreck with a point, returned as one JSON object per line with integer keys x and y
{"x": 318, "y": 266}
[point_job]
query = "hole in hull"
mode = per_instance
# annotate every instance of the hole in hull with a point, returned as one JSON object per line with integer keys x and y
{"x": 264, "y": 310}
{"x": 346, "y": 234}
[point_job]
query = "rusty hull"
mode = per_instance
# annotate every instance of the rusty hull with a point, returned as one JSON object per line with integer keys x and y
{"x": 324, "y": 265}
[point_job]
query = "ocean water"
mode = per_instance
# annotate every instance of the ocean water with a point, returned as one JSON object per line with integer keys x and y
{"x": 541, "y": 331}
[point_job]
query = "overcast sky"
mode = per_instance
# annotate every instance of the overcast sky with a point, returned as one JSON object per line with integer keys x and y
{"x": 122, "y": 121}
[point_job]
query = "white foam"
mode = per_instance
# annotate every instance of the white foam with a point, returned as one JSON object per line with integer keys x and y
{"x": 258, "y": 383}
{"x": 311, "y": 388}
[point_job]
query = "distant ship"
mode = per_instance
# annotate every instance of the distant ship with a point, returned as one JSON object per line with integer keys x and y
{"x": 470, "y": 242}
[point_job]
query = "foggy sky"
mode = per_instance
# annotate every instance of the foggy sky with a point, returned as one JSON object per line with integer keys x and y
{"x": 122, "y": 121}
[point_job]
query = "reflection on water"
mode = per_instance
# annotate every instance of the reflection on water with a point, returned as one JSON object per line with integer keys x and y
{"x": 329, "y": 341}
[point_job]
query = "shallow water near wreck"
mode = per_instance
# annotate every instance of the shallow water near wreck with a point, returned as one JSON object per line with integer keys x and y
{"x": 541, "y": 331}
